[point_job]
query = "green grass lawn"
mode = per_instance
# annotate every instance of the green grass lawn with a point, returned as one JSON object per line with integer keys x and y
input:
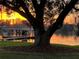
{"x": 10, "y": 43}
{"x": 35, "y": 55}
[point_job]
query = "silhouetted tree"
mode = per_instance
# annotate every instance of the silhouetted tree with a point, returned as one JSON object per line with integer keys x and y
{"x": 42, "y": 36}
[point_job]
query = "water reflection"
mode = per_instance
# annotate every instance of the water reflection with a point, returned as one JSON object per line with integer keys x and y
{"x": 66, "y": 40}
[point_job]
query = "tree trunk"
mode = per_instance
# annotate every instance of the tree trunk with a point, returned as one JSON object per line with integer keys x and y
{"x": 77, "y": 30}
{"x": 41, "y": 40}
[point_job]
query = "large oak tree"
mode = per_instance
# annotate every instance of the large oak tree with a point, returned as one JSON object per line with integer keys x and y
{"x": 42, "y": 35}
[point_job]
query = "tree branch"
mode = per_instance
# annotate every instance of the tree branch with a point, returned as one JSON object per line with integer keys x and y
{"x": 34, "y": 22}
{"x": 42, "y": 3}
{"x": 59, "y": 22}
{"x": 35, "y": 4}
{"x": 17, "y": 10}
{"x": 76, "y": 9}
{"x": 31, "y": 19}
{"x": 26, "y": 14}
{"x": 39, "y": 10}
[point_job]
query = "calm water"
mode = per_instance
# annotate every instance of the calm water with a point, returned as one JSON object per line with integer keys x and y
{"x": 67, "y": 40}
{"x": 58, "y": 39}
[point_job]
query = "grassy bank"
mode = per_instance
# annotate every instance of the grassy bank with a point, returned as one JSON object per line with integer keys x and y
{"x": 11, "y": 43}
{"x": 4, "y": 54}
{"x": 17, "y": 44}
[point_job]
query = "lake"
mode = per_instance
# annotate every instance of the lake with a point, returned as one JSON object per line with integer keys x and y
{"x": 66, "y": 40}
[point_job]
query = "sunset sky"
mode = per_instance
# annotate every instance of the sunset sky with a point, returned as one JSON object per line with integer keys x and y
{"x": 13, "y": 15}
{"x": 70, "y": 19}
